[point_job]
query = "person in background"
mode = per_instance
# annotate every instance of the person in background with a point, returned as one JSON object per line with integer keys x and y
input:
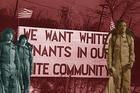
{"x": 9, "y": 62}
{"x": 25, "y": 55}
{"x": 121, "y": 57}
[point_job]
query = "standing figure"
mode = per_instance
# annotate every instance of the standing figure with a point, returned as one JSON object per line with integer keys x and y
{"x": 9, "y": 62}
{"x": 1, "y": 84}
{"x": 121, "y": 57}
{"x": 25, "y": 56}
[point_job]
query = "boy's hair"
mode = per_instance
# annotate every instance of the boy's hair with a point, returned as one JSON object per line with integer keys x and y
{"x": 21, "y": 37}
{"x": 5, "y": 32}
{"x": 118, "y": 23}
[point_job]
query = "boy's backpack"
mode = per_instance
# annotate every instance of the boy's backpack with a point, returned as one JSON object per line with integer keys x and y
{"x": 129, "y": 35}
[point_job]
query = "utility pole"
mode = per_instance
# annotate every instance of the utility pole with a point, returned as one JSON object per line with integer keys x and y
{"x": 101, "y": 16}
{"x": 16, "y": 8}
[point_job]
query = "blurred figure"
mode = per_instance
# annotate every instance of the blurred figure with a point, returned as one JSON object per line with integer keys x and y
{"x": 25, "y": 55}
{"x": 121, "y": 57}
{"x": 9, "y": 62}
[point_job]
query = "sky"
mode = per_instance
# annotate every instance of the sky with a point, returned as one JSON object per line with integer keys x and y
{"x": 52, "y": 5}
{"x": 51, "y": 8}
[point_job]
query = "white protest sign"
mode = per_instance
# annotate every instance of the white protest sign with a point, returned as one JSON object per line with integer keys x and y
{"x": 67, "y": 53}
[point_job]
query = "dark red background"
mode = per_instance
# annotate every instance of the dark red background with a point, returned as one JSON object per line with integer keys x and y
{"x": 83, "y": 16}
